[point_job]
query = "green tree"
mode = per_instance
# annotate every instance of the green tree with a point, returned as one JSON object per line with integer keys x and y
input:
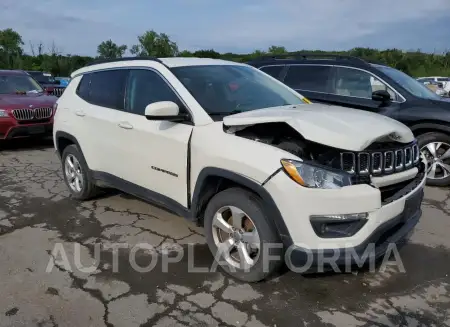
{"x": 10, "y": 48}
{"x": 11, "y": 42}
{"x": 154, "y": 44}
{"x": 207, "y": 54}
{"x": 110, "y": 50}
{"x": 277, "y": 50}
{"x": 185, "y": 53}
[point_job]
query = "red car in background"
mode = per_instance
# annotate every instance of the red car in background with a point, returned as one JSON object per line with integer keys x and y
{"x": 26, "y": 110}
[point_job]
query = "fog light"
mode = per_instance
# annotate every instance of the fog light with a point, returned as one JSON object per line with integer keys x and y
{"x": 337, "y": 226}
{"x": 346, "y": 217}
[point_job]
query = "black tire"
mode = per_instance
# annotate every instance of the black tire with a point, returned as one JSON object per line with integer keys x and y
{"x": 427, "y": 138}
{"x": 89, "y": 189}
{"x": 252, "y": 205}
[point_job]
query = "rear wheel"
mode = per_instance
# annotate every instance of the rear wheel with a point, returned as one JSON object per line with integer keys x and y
{"x": 77, "y": 175}
{"x": 435, "y": 147}
{"x": 237, "y": 231}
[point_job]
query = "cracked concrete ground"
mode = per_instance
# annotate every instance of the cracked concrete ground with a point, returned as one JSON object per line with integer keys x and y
{"x": 40, "y": 226}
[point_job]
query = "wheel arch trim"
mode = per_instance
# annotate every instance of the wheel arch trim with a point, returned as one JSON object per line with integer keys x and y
{"x": 430, "y": 125}
{"x": 61, "y": 134}
{"x": 272, "y": 212}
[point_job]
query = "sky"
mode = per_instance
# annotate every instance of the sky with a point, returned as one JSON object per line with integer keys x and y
{"x": 240, "y": 26}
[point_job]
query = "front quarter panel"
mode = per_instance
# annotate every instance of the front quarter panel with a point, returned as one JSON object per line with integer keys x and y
{"x": 423, "y": 112}
{"x": 212, "y": 147}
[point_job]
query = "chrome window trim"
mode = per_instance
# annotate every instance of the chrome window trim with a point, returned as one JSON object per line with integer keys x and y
{"x": 144, "y": 68}
{"x": 350, "y": 96}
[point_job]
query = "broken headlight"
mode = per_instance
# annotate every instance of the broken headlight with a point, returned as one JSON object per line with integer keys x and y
{"x": 315, "y": 176}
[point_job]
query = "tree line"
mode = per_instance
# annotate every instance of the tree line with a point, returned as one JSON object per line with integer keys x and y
{"x": 151, "y": 43}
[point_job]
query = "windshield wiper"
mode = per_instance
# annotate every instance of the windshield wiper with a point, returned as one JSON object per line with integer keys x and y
{"x": 223, "y": 113}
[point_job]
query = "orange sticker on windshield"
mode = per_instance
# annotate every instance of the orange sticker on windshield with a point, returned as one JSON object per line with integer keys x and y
{"x": 305, "y": 100}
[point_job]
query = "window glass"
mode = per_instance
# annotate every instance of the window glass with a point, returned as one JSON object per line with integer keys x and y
{"x": 83, "y": 87}
{"x": 107, "y": 88}
{"x": 358, "y": 83}
{"x": 226, "y": 89}
{"x": 146, "y": 87}
{"x": 308, "y": 78}
{"x": 273, "y": 71}
{"x": 408, "y": 83}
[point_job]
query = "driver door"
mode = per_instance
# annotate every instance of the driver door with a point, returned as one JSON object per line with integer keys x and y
{"x": 154, "y": 152}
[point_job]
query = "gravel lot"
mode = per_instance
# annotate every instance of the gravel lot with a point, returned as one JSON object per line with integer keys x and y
{"x": 38, "y": 218}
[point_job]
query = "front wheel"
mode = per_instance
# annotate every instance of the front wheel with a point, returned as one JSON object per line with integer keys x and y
{"x": 240, "y": 237}
{"x": 435, "y": 147}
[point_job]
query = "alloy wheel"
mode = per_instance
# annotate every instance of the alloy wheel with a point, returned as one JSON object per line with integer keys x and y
{"x": 437, "y": 155}
{"x": 74, "y": 176}
{"x": 236, "y": 237}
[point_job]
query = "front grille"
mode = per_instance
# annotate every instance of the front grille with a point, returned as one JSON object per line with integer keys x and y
{"x": 376, "y": 162}
{"x": 32, "y": 114}
{"x": 58, "y": 91}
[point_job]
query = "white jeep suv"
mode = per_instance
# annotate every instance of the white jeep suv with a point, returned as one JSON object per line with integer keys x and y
{"x": 269, "y": 175}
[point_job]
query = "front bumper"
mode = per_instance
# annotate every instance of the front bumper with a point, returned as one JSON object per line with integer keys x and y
{"x": 394, "y": 232}
{"x": 297, "y": 204}
{"x": 10, "y": 129}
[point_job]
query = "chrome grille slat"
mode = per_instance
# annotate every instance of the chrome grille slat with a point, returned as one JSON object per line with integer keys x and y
{"x": 363, "y": 163}
{"x": 408, "y": 157}
{"x": 32, "y": 113}
{"x": 388, "y": 161}
{"x": 348, "y": 162}
{"x": 399, "y": 160}
{"x": 58, "y": 91}
{"x": 379, "y": 162}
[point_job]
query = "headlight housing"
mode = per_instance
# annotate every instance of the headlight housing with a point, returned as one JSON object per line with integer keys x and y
{"x": 3, "y": 113}
{"x": 312, "y": 175}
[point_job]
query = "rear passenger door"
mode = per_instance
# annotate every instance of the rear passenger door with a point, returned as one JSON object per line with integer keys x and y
{"x": 102, "y": 95}
{"x": 276, "y": 71}
{"x": 312, "y": 81}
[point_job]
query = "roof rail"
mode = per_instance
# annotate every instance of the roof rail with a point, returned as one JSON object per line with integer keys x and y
{"x": 104, "y": 61}
{"x": 305, "y": 56}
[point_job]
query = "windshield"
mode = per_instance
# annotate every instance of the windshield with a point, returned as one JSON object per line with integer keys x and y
{"x": 43, "y": 78}
{"x": 228, "y": 89}
{"x": 18, "y": 84}
{"x": 410, "y": 84}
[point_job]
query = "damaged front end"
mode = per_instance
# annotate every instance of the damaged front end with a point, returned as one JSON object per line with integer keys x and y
{"x": 386, "y": 164}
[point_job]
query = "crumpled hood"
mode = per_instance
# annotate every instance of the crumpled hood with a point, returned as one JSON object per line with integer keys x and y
{"x": 15, "y": 101}
{"x": 338, "y": 127}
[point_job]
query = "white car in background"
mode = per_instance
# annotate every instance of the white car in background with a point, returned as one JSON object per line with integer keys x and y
{"x": 442, "y": 83}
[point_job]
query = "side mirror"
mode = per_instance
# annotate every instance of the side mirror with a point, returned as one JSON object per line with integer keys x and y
{"x": 381, "y": 96}
{"x": 164, "y": 110}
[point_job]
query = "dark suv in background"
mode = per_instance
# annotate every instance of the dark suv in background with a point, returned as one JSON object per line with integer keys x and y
{"x": 48, "y": 82}
{"x": 356, "y": 83}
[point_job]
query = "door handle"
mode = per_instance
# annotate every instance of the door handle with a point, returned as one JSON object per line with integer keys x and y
{"x": 125, "y": 125}
{"x": 80, "y": 113}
